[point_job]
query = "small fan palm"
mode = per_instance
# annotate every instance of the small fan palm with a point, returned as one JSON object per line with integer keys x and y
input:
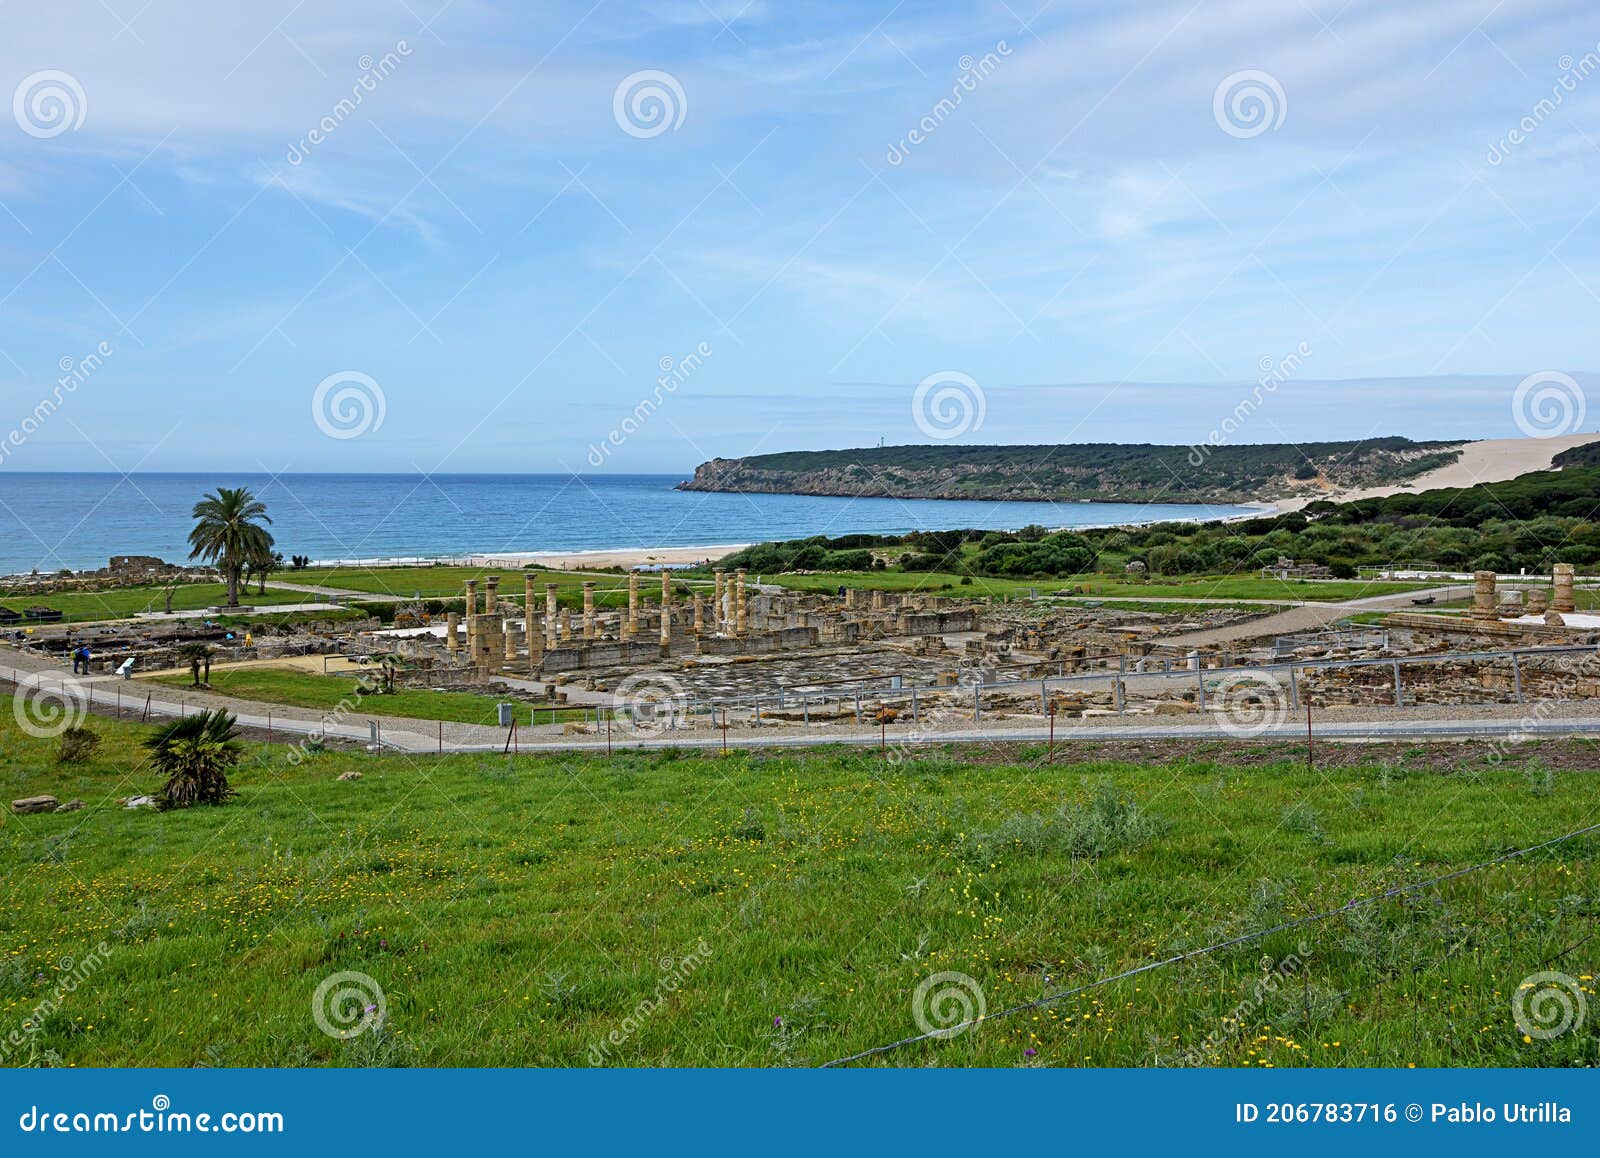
{"x": 228, "y": 531}
{"x": 194, "y": 754}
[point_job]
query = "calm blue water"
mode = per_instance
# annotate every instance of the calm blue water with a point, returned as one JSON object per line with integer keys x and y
{"x": 49, "y": 521}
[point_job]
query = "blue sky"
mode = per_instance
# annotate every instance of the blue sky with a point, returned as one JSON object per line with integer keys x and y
{"x": 1101, "y": 250}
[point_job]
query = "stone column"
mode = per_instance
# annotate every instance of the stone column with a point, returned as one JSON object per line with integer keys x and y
{"x": 529, "y": 626}
{"x": 564, "y": 628}
{"x": 1562, "y": 600}
{"x": 877, "y": 600}
{"x": 717, "y": 618}
{"x": 740, "y": 620}
{"x": 550, "y": 615}
{"x": 666, "y": 630}
{"x": 588, "y": 609}
{"x": 666, "y": 588}
{"x": 451, "y": 622}
{"x": 631, "y": 624}
{"x": 1483, "y": 595}
{"x": 850, "y": 598}
{"x": 699, "y": 614}
{"x": 1538, "y": 601}
{"x": 511, "y": 639}
{"x": 491, "y": 594}
{"x": 472, "y": 611}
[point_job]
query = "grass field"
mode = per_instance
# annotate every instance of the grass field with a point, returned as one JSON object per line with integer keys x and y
{"x": 786, "y": 909}
{"x": 450, "y": 582}
{"x": 325, "y": 692}
{"x": 120, "y": 602}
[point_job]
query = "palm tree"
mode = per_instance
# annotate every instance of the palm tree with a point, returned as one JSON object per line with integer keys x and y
{"x": 195, "y": 753}
{"x": 269, "y": 562}
{"x": 198, "y": 654}
{"x": 228, "y": 532}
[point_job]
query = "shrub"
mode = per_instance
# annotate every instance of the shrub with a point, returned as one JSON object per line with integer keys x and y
{"x": 1107, "y": 824}
{"x": 77, "y": 745}
{"x": 194, "y": 754}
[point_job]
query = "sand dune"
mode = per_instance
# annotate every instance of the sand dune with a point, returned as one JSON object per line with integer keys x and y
{"x": 1492, "y": 460}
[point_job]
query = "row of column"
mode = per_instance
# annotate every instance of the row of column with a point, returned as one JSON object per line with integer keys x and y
{"x": 728, "y": 610}
{"x": 1484, "y": 600}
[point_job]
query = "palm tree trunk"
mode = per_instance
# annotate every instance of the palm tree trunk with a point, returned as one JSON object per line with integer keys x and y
{"x": 233, "y": 587}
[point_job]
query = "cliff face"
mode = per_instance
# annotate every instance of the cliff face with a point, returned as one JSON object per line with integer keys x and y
{"x": 1099, "y": 472}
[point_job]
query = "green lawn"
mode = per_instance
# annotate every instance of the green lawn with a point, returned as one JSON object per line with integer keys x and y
{"x": 325, "y": 692}
{"x": 450, "y": 582}
{"x": 121, "y": 602}
{"x": 785, "y": 908}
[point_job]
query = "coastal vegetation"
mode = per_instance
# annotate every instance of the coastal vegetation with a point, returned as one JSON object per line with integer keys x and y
{"x": 1108, "y": 472}
{"x": 522, "y": 911}
{"x": 1527, "y": 523}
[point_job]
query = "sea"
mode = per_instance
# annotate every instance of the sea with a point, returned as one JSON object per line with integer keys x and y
{"x": 77, "y": 521}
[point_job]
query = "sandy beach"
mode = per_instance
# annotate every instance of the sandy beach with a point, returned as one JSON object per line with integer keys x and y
{"x": 622, "y": 557}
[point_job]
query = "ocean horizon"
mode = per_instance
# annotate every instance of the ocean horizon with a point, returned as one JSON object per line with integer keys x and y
{"x": 77, "y": 520}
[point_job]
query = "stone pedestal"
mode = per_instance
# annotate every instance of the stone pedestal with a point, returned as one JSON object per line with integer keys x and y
{"x": 452, "y": 623}
{"x": 1562, "y": 599}
{"x": 1538, "y": 601}
{"x": 1483, "y": 595}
